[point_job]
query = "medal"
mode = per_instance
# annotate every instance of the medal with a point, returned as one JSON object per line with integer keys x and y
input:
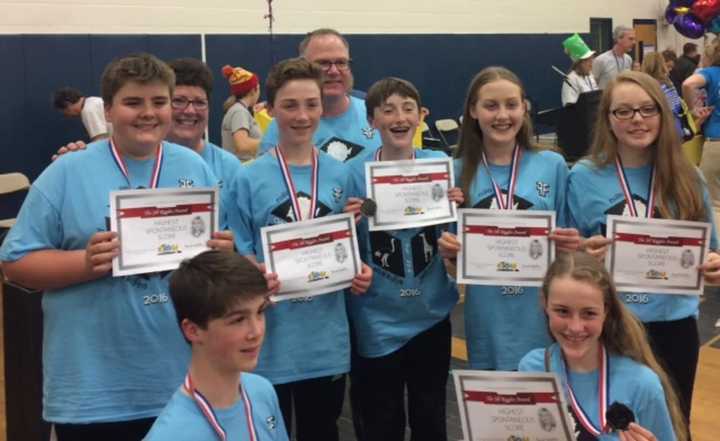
{"x": 625, "y": 186}
{"x": 619, "y": 416}
{"x": 603, "y": 392}
{"x": 508, "y": 202}
{"x": 207, "y": 410}
{"x": 290, "y": 185}
{"x": 154, "y": 179}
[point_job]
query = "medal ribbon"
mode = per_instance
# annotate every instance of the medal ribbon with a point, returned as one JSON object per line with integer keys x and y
{"x": 207, "y": 410}
{"x": 154, "y": 179}
{"x": 378, "y": 154}
{"x": 508, "y": 202}
{"x": 290, "y": 185}
{"x": 625, "y": 186}
{"x": 603, "y": 394}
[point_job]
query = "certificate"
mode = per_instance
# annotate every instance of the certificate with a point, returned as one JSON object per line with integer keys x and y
{"x": 312, "y": 257}
{"x": 158, "y": 228}
{"x": 657, "y": 255}
{"x": 410, "y": 193}
{"x": 512, "y": 406}
{"x": 504, "y": 247}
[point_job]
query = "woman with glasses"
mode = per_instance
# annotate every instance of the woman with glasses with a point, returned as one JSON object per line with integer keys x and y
{"x": 636, "y": 168}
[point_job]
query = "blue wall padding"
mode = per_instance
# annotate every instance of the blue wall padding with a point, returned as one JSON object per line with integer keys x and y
{"x": 440, "y": 65}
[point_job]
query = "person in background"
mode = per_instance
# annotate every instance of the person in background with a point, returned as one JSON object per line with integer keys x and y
{"x": 610, "y": 63}
{"x": 654, "y": 65}
{"x": 580, "y": 79}
{"x": 240, "y": 132}
{"x": 73, "y": 104}
{"x": 685, "y": 65}
{"x": 670, "y": 58}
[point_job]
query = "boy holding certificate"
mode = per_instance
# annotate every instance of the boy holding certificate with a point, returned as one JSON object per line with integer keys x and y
{"x": 220, "y": 300}
{"x": 307, "y": 352}
{"x": 112, "y": 353}
{"x": 401, "y": 326}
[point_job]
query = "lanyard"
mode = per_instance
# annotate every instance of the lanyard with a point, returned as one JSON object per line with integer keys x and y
{"x": 625, "y": 186}
{"x": 154, "y": 179}
{"x": 207, "y": 410}
{"x": 603, "y": 394}
{"x": 290, "y": 185}
{"x": 508, "y": 202}
{"x": 378, "y": 154}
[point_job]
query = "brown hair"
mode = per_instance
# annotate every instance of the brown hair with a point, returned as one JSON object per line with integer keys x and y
{"x": 387, "y": 87}
{"x": 654, "y": 65}
{"x": 288, "y": 70}
{"x": 138, "y": 68}
{"x": 677, "y": 183}
{"x": 470, "y": 140}
{"x": 208, "y": 285}
{"x": 622, "y": 334}
{"x": 712, "y": 53}
{"x": 320, "y": 33}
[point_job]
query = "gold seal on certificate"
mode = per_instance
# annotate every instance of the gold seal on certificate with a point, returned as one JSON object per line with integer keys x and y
{"x": 512, "y": 406}
{"x": 504, "y": 247}
{"x": 312, "y": 257}
{"x": 657, "y": 255}
{"x": 158, "y": 228}
{"x": 410, "y": 194}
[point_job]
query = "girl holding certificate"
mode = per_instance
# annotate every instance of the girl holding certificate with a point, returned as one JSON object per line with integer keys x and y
{"x": 112, "y": 351}
{"x": 613, "y": 384}
{"x": 307, "y": 351}
{"x": 500, "y": 168}
{"x": 637, "y": 168}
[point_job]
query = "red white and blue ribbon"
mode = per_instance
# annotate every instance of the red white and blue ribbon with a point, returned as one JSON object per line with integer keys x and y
{"x": 625, "y": 186}
{"x": 603, "y": 395}
{"x": 508, "y": 202}
{"x": 378, "y": 154}
{"x": 154, "y": 179}
{"x": 290, "y": 185}
{"x": 207, "y": 410}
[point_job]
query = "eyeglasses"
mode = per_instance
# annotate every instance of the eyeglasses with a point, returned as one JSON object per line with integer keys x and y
{"x": 181, "y": 103}
{"x": 629, "y": 113}
{"x": 341, "y": 65}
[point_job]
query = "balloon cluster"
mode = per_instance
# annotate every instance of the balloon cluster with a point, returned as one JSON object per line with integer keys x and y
{"x": 692, "y": 18}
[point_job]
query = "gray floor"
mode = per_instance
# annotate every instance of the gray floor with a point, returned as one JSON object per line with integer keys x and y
{"x": 709, "y": 314}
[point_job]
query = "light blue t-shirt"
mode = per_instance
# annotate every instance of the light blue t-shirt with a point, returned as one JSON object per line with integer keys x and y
{"x": 225, "y": 166}
{"x": 182, "y": 420}
{"x": 112, "y": 349}
{"x": 307, "y": 337}
{"x": 711, "y": 128}
{"x": 342, "y": 137}
{"x": 410, "y": 290}
{"x": 594, "y": 193}
{"x": 502, "y": 323}
{"x": 631, "y": 383}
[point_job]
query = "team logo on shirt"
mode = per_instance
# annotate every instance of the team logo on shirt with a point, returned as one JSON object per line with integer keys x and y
{"x": 368, "y": 132}
{"x": 284, "y": 213}
{"x": 271, "y": 422}
{"x": 341, "y": 149}
{"x": 337, "y": 194}
{"x": 542, "y": 188}
{"x": 387, "y": 253}
{"x": 621, "y": 209}
{"x": 185, "y": 182}
{"x": 424, "y": 248}
{"x": 490, "y": 202}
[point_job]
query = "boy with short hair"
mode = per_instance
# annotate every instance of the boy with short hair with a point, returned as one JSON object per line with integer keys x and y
{"x": 72, "y": 103}
{"x": 401, "y": 326}
{"x": 220, "y": 299}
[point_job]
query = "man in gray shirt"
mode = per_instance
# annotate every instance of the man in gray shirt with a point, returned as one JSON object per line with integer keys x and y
{"x": 608, "y": 64}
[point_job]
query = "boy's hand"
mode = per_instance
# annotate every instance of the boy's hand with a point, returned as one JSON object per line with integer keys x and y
{"x": 711, "y": 268}
{"x": 448, "y": 246}
{"x": 100, "y": 251}
{"x": 362, "y": 281}
{"x": 566, "y": 239}
{"x": 353, "y": 206}
{"x": 222, "y": 240}
{"x": 456, "y": 195}
{"x": 636, "y": 432}
{"x": 67, "y": 148}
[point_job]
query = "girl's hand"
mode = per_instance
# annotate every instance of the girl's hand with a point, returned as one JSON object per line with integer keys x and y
{"x": 222, "y": 240}
{"x": 566, "y": 239}
{"x": 636, "y": 432}
{"x": 456, "y": 195}
{"x": 711, "y": 268}
{"x": 362, "y": 281}
{"x": 596, "y": 246}
{"x": 448, "y": 246}
{"x": 100, "y": 251}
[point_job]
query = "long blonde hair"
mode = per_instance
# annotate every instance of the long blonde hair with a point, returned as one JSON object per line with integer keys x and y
{"x": 470, "y": 140}
{"x": 677, "y": 183}
{"x": 622, "y": 333}
{"x": 654, "y": 65}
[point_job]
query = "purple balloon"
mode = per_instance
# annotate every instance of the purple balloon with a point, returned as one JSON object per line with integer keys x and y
{"x": 681, "y": 3}
{"x": 670, "y": 14}
{"x": 689, "y": 26}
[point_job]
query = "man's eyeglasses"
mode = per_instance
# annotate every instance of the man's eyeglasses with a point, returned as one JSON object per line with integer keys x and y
{"x": 629, "y": 113}
{"x": 181, "y": 103}
{"x": 341, "y": 65}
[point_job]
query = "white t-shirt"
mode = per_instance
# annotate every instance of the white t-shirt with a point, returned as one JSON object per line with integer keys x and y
{"x": 93, "y": 117}
{"x": 577, "y": 85}
{"x": 607, "y": 65}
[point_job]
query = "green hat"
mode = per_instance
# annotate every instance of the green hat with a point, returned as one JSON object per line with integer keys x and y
{"x": 576, "y": 48}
